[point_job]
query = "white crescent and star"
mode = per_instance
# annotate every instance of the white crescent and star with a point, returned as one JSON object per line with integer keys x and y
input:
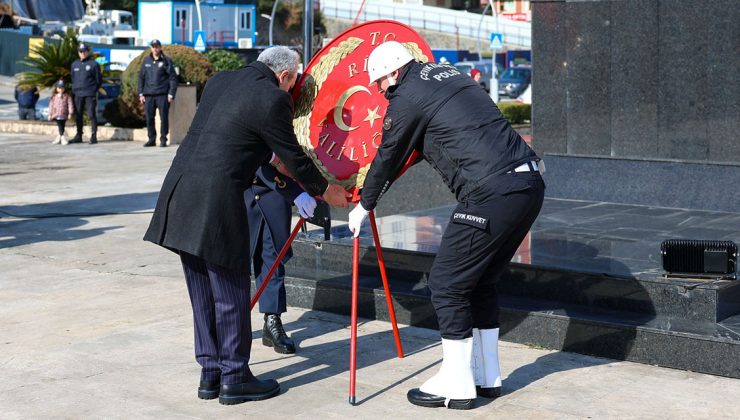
{"x": 372, "y": 114}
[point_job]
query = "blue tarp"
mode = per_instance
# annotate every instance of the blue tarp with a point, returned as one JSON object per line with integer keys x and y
{"x": 47, "y": 10}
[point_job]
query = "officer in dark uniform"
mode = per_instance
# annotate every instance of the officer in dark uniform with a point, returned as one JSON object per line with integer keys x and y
{"x": 269, "y": 212}
{"x": 157, "y": 88}
{"x": 494, "y": 175}
{"x": 86, "y": 80}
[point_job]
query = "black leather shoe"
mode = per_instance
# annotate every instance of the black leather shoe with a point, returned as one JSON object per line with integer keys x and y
{"x": 76, "y": 139}
{"x": 248, "y": 391}
{"x": 150, "y": 143}
{"x": 163, "y": 142}
{"x": 417, "y": 397}
{"x": 93, "y": 140}
{"x": 494, "y": 392}
{"x": 209, "y": 390}
{"x": 273, "y": 335}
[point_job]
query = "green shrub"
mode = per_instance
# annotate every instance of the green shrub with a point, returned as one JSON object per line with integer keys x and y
{"x": 225, "y": 60}
{"x": 515, "y": 112}
{"x": 51, "y": 62}
{"x": 193, "y": 67}
{"x": 117, "y": 118}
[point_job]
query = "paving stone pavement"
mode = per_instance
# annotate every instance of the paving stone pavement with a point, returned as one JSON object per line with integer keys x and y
{"x": 96, "y": 323}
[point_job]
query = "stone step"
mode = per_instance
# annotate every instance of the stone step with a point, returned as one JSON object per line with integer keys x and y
{"x": 681, "y": 299}
{"x": 698, "y": 346}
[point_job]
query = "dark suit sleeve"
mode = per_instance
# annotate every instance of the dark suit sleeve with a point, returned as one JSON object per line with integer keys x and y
{"x": 173, "y": 78}
{"x": 16, "y": 93}
{"x": 277, "y": 132}
{"x": 402, "y": 131}
{"x": 279, "y": 183}
{"x": 98, "y": 75}
{"x": 141, "y": 79}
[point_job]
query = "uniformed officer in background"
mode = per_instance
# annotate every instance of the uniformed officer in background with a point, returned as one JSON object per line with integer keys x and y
{"x": 494, "y": 175}
{"x": 157, "y": 88}
{"x": 86, "y": 80}
{"x": 269, "y": 212}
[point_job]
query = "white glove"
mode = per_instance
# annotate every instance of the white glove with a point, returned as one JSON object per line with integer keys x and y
{"x": 306, "y": 205}
{"x": 356, "y": 217}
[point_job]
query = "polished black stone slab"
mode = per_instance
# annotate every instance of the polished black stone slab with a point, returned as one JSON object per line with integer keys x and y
{"x": 549, "y": 128}
{"x": 637, "y": 78}
{"x": 659, "y": 183}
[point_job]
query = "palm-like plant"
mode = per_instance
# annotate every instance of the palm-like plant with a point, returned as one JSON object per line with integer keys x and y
{"x": 51, "y": 62}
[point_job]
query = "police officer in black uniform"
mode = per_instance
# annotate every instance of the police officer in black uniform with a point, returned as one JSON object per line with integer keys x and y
{"x": 269, "y": 212}
{"x": 157, "y": 87}
{"x": 86, "y": 80}
{"x": 494, "y": 175}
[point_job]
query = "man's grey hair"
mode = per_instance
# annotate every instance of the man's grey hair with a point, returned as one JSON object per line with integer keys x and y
{"x": 280, "y": 58}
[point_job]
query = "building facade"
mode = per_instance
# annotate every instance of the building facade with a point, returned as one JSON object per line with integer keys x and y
{"x": 226, "y": 23}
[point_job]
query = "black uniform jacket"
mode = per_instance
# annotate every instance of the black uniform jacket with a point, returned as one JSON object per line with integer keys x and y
{"x": 443, "y": 113}
{"x": 86, "y": 77}
{"x": 157, "y": 77}
{"x": 242, "y": 116}
{"x": 269, "y": 201}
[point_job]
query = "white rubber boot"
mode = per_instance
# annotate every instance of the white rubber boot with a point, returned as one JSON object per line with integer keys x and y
{"x": 485, "y": 362}
{"x": 57, "y": 140}
{"x": 454, "y": 381}
{"x": 64, "y": 140}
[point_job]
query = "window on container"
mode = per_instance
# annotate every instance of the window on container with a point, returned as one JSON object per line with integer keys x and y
{"x": 180, "y": 18}
{"x": 245, "y": 20}
{"x": 509, "y": 6}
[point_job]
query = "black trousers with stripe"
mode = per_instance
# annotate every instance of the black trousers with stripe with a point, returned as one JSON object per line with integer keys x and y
{"x": 223, "y": 328}
{"x": 483, "y": 235}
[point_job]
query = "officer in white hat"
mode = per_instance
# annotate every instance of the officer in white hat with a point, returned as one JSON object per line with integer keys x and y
{"x": 443, "y": 113}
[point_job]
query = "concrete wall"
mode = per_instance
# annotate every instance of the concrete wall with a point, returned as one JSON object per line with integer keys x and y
{"x": 655, "y": 79}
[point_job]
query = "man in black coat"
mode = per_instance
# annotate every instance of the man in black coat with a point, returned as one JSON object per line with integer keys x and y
{"x": 269, "y": 208}
{"x": 157, "y": 87}
{"x": 244, "y": 117}
{"x": 435, "y": 109}
{"x": 86, "y": 80}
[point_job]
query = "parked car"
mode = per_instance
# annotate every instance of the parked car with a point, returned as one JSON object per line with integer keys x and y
{"x": 514, "y": 80}
{"x": 112, "y": 91}
{"x": 484, "y": 66}
{"x": 42, "y": 109}
{"x": 526, "y": 96}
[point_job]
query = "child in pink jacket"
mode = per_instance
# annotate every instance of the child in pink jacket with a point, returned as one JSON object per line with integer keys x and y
{"x": 60, "y": 110}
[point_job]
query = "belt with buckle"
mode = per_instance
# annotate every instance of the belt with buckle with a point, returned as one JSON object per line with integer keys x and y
{"x": 530, "y": 166}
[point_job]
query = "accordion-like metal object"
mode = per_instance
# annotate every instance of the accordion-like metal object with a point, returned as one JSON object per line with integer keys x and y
{"x": 689, "y": 257}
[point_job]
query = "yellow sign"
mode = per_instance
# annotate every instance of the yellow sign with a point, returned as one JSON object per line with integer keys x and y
{"x": 33, "y": 44}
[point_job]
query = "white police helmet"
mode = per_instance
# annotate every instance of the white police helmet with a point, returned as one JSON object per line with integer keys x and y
{"x": 385, "y": 59}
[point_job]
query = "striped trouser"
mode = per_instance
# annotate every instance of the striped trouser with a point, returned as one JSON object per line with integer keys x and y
{"x": 223, "y": 328}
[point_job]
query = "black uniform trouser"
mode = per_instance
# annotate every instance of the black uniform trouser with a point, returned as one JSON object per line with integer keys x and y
{"x": 268, "y": 213}
{"x": 88, "y": 104}
{"x": 154, "y": 103}
{"x": 223, "y": 327}
{"x": 482, "y": 237}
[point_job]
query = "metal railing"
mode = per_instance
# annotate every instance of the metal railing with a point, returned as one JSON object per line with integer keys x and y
{"x": 517, "y": 34}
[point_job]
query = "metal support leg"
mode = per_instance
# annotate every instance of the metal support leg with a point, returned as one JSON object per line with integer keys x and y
{"x": 384, "y": 276}
{"x": 353, "y": 327}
